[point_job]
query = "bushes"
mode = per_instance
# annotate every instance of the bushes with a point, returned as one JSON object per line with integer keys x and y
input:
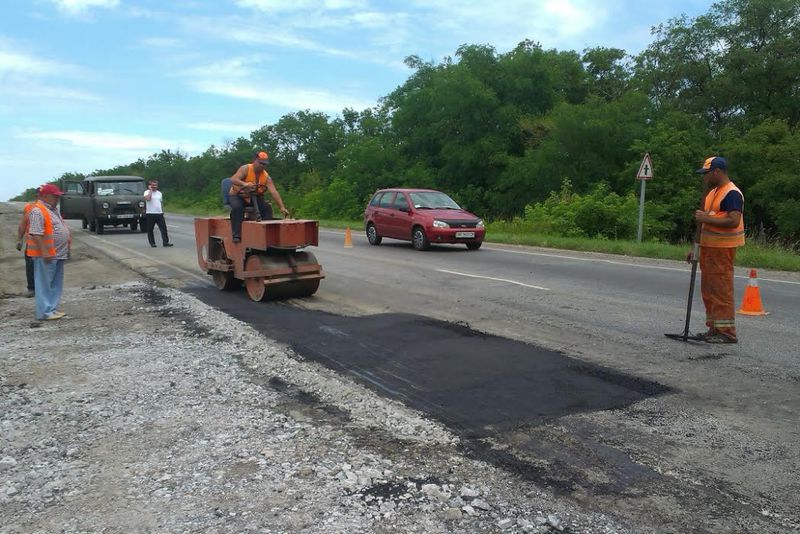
{"x": 601, "y": 214}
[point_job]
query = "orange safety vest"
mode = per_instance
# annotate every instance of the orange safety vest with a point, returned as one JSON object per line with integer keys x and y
{"x": 261, "y": 182}
{"x": 718, "y": 236}
{"x": 48, "y": 240}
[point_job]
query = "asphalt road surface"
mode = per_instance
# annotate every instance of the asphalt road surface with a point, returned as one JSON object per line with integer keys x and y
{"x": 553, "y": 365}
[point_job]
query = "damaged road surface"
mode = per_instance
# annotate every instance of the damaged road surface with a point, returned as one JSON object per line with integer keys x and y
{"x": 506, "y": 400}
{"x": 174, "y": 407}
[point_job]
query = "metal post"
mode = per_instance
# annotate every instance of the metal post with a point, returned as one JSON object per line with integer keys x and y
{"x": 641, "y": 212}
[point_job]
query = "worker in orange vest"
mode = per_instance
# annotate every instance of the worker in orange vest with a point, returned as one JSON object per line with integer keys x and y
{"x": 722, "y": 232}
{"x": 48, "y": 245}
{"x": 22, "y": 235}
{"x": 249, "y": 184}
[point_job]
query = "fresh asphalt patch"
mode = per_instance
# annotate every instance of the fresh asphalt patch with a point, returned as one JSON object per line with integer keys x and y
{"x": 476, "y": 384}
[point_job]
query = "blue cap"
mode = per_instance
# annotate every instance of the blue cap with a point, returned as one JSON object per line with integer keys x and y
{"x": 714, "y": 162}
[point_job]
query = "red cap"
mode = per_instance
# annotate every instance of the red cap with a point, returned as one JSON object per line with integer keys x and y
{"x": 50, "y": 189}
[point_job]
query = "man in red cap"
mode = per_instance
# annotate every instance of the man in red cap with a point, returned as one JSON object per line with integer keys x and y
{"x": 48, "y": 245}
{"x": 249, "y": 184}
{"x": 22, "y": 234}
{"x": 722, "y": 232}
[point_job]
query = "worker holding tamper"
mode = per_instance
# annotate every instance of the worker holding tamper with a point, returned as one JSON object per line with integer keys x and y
{"x": 249, "y": 184}
{"x": 722, "y": 232}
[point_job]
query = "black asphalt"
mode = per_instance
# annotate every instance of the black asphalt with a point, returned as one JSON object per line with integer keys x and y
{"x": 474, "y": 383}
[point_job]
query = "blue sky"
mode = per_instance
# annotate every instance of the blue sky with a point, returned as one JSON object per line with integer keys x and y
{"x": 87, "y": 84}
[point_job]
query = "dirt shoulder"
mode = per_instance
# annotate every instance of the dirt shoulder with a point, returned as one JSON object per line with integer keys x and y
{"x": 146, "y": 410}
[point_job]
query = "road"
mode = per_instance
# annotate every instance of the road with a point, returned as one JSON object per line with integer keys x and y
{"x": 706, "y": 443}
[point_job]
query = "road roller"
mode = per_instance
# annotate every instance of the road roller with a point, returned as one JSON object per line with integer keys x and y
{"x": 269, "y": 260}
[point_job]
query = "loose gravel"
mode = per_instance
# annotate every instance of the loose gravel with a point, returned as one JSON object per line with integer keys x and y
{"x": 146, "y": 410}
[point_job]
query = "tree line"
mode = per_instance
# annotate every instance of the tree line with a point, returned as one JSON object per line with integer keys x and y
{"x": 537, "y": 134}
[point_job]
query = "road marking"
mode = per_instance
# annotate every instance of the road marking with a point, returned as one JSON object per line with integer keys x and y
{"x": 493, "y": 278}
{"x": 623, "y": 263}
{"x": 152, "y": 259}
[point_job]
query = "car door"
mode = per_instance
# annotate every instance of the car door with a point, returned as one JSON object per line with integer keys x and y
{"x": 382, "y": 219}
{"x": 74, "y": 200}
{"x": 401, "y": 217}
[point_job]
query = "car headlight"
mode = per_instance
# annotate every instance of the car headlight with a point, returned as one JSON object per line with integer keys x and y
{"x": 480, "y": 224}
{"x": 141, "y": 203}
{"x": 105, "y": 205}
{"x": 440, "y": 224}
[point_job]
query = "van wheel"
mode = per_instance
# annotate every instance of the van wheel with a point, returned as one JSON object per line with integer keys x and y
{"x": 134, "y": 225}
{"x": 419, "y": 240}
{"x": 372, "y": 235}
{"x": 100, "y": 229}
{"x": 92, "y": 226}
{"x": 84, "y": 224}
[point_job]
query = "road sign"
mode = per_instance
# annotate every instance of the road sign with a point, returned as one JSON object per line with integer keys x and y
{"x": 645, "y": 173}
{"x": 645, "y": 169}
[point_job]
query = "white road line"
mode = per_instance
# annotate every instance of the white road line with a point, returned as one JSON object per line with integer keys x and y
{"x": 625, "y": 264}
{"x": 493, "y": 278}
{"x": 152, "y": 259}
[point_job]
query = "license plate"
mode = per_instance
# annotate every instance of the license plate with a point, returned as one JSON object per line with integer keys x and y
{"x": 464, "y": 235}
{"x": 126, "y": 216}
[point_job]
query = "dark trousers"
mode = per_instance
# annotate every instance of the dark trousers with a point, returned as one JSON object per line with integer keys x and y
{"x": 237, "y": 212}
{"x": 29, "y": 272}
{"x": 153, "y": 219}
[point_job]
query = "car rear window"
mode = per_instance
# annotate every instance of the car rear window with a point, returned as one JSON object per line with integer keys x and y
{"x": 386, "y": 200}
{"x": 375, "y": 199}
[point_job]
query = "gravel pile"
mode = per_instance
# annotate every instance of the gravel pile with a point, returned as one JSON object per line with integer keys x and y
{"x": 147, "y": 410}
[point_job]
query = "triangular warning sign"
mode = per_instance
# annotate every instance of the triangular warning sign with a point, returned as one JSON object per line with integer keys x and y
{"x": 645, "y": 169}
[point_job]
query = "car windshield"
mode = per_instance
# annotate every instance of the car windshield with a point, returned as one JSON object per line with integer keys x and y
{"x": 106, "y": 189}
{"x": 433, "y": 200}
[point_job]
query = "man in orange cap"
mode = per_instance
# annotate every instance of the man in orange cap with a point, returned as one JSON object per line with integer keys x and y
{"x": 249, "y": 184}
{"x": 722, "y": 232}
{"x": 48, "y": 244}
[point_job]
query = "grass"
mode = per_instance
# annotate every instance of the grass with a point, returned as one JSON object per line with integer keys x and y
{"x": 752, "y": 255}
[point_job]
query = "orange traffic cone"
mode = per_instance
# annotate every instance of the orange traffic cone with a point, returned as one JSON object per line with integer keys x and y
{"x": 348, "y": 238}
{"x": 751, "y": 304}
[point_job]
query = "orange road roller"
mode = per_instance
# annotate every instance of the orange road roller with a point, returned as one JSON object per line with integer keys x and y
{"x": 269, "y": 260}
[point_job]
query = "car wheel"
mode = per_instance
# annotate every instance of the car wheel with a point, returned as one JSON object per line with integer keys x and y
{"x": 134, "y": 225}
{"x": 142, "y": 226}
{"x": 372, "y": 235}
{"x": 92, "y": 226}
{"x": 84, "y": 224}
{"x": 418, "y": 239}
{"x": 100, "y": 229}
{"x": 474, "y": 246}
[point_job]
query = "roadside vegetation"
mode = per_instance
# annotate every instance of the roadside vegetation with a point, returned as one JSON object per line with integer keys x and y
{"x": 544, "y": 144}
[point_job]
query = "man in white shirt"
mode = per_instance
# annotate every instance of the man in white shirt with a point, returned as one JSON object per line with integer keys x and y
{"x": 154, "y": 214}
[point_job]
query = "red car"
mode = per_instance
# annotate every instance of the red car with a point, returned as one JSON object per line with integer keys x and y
{"x": 422, "y": 216}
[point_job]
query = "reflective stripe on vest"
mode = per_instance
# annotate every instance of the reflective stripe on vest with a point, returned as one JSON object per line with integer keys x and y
{"x": 261, "y": 182}
{"x": 48, "y": 240}
{"x": 719, "y": 236}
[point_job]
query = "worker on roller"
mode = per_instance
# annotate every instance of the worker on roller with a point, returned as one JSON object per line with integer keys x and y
{"x": 722, "y": 232}
{"x": 249, "y": 184}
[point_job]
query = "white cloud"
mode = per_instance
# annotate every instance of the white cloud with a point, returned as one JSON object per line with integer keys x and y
{"x": 162, "y": 42}
{"x": 79, "y": 7}
{"x": 27, "y": 76}
{"x": 107, "y": 140}
{"x": 277, "y": 6}
{"x": 238, "y": 128}
{"x": 245, "y": 78}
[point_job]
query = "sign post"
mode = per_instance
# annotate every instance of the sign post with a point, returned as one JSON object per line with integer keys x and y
{"x": 645, "y": 173}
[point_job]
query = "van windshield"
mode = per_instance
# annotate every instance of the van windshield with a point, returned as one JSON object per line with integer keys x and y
{"x": 106, "y": 189}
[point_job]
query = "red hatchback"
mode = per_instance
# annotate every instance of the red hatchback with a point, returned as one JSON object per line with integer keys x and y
{"x": 422, "y": 216}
